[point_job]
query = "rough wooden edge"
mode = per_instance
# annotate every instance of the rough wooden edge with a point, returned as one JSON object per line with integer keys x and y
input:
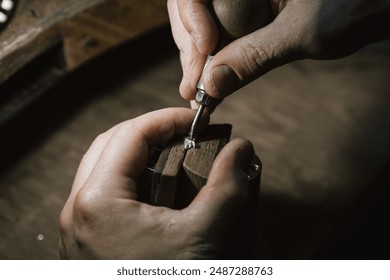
{"x": 70, "y": 24}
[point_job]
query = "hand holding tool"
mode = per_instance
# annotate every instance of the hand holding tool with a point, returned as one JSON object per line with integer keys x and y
{"x": 235, "y": 19}
{"x": 204, "y": 100}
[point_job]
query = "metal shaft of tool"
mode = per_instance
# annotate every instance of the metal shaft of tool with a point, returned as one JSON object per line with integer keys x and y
{"x": 204, "y": 100}
{"x": 189, "y": 141}
{"x": 195, "y": 122}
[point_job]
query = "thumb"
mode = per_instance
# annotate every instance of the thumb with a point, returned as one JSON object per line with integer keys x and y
{"x": 226, "y": 189}
{"x": 251, "y": 56}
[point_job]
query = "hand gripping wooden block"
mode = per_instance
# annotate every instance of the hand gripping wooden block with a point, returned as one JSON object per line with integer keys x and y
{"x": 174, "y": 175}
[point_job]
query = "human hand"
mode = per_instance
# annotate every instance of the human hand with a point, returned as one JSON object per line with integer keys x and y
{"x": 297, "y": 29}
{"x": 102, "y": 218}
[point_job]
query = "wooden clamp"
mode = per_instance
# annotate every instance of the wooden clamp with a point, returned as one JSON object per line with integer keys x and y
{"x": 174, "y": 175}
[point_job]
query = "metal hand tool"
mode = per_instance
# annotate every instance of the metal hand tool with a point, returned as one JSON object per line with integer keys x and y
{"x": 204, "y": 100}
{"x": 235, "y": 19}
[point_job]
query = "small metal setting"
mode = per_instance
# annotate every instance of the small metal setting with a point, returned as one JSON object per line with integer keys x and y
{"x": 189, "y": 143}
{"x": 7, "y": 8}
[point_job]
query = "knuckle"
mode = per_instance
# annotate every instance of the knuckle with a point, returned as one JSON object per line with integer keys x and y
{"x": 64, "y": 223}
{"x": 101, "y": 138}
{"x": 237, "y": 196}
{"x": 86, "y": 210}
{"x": 87, "y": 220}
{"x": 79, "y": 225}
{"x": 311, "y": 40}
{"x": 256, "y": 59}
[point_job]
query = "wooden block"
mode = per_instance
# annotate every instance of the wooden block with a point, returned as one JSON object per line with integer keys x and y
{"x": 198, "y": 161}
{"x": 158, "y": 184}
{"x": 166, "y": 175}
{"x": 174, "y": 176}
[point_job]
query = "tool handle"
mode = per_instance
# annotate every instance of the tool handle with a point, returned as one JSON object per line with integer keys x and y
{"x": 237, "y": 18}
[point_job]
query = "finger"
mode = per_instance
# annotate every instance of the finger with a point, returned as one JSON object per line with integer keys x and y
{"x": 199, "y": 23}
{"x": 90, "y": 158}
{"x": 251, "y": 56}
{"x": 194, "y": 105}
{"x": 192, "y": 61}
{"x": 87, "y": 164}
{"x": 84, "y": 170}
{"x": 226, "y": 189}
{"x": 125, "y": 154}
{"x": 122, "y": 152}
{"x": 208, "y": 110}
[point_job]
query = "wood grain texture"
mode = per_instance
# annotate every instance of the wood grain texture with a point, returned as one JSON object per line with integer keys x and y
{"x": 198, "y": 161}
{"x": 321, "y": 128}
{"x": 92, "y": 32}
{"x": 86, "y": 28}
{"x": 166, "y": 175}
{"x": 178, "y": 175}
{"x": 175, "y": 176}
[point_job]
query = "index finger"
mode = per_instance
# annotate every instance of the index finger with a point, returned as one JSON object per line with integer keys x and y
{"x": 198, "y": 22}
{"x": 125, "y": 155}
{"x": 126, "y": 152}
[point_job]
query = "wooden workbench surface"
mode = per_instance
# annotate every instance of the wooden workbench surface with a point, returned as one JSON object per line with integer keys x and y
{"x": 82, "y": 28}
{"x": 321, "y": 128}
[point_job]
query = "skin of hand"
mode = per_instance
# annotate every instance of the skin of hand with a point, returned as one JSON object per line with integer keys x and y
{"x": 102, "y": 218}
{"x": 297, "y": 29}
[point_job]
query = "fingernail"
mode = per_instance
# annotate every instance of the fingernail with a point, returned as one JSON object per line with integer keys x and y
{"x": 225, "y": 81}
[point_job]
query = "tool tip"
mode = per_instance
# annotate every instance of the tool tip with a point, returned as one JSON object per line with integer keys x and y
{"x": 189, "y": 143}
